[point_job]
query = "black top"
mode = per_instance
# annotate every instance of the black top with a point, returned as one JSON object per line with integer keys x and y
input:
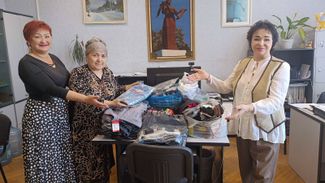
{"x": 42, "y": 80}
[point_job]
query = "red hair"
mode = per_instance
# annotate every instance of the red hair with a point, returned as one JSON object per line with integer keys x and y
{"x": 31, "y": 27}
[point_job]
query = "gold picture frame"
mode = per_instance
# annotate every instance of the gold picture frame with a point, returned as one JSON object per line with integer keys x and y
{"x": 170, "y": 30}
{"x": 104, "y": 11}
{"x": 236, "y": 13}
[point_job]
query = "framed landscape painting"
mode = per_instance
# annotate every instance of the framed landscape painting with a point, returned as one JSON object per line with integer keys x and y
{"x": 170, "y": 29}
{"x": 104, "y": 11}
{"x": 236, "y": 13}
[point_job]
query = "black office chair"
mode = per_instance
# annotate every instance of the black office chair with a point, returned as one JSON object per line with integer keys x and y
{"x": 321, "y": 98}
{"x": 159, "y": 164}
{"x": 5, "y": 125}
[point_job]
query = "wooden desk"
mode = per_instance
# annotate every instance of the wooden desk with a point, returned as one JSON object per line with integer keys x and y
{"x": 191, "y": 142}
{"x": 307, "y": 144}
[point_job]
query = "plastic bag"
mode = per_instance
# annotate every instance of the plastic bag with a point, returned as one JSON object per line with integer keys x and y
{"x": 188, "y": 88}
{"x": 191, "y": 90}
{"x": 166, "y": 86}
{"x": 136, "y": 94}
{"x": 171, "y": 99}
{"x": 166, "y": 95}
{"x": 124, "y": 123}
{"x": 205, "y": 120}
{"x": 159, "y": 128}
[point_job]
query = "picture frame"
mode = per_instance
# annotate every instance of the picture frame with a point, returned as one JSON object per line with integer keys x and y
{"x": 170, "y": 38}
{"x": 236, "y": 13}
{"x": 104, "y": 11}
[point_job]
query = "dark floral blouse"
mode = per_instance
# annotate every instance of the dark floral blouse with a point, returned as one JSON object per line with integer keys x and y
{"x": 90, "y": 158}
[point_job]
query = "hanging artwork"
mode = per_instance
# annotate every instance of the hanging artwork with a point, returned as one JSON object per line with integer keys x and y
{"x": 104, "y": 11}
{"x": 170, "y": 30}
{"x": 236, "y": 13}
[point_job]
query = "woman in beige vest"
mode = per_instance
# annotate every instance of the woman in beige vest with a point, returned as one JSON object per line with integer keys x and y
{"x": 259, "y": 84}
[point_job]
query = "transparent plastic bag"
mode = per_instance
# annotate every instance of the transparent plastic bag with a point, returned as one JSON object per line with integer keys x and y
{"x": 166, "y": 86}
{"x": 191, "y": 90}
{"x": 205, "y": 120}
{"x": 188, "y": 88}
{"x": 123, "y": 123}
{"x": 136, "y": 94}
{"x": 159, "y": 128}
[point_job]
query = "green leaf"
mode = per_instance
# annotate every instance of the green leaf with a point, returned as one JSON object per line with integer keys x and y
{"x": 77, "y": 51}
{"x": 302, "y": 34}
{"x": 287, "y": 31}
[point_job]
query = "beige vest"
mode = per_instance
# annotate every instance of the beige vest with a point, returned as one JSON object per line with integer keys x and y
{"x": 261, "y": 91}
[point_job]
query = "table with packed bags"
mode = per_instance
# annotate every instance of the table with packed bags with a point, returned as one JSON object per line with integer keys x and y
{"x": 171, "y": 113}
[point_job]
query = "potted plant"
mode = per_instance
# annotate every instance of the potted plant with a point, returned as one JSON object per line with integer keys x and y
{"x": 287, "y": 31}
{"x": 77, "y": 51}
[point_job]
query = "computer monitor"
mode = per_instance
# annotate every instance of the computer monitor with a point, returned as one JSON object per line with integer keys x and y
{"x": 156, "y": 75}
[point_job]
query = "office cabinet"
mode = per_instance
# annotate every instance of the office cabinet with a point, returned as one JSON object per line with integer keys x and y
{"x": 12, "y": 49}
{"x": 301, "y": 85}
{"x": 6, "y": 93}
{"x": 306, "y": 147}
{"x": 319, "y": 67}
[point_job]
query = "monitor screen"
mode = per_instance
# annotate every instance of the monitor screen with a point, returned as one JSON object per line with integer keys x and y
{"x": 156, "y": 75}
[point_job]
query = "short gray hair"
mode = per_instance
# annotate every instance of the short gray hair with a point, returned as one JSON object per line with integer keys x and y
{"x": 95, "y": 44}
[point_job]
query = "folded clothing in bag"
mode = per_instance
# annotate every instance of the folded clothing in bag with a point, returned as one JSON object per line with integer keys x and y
{"x": 123, "y": 123}
{"x": 159, "y": 128}
{"x": 136, "y": 94}
{"x": 205, "y": 120}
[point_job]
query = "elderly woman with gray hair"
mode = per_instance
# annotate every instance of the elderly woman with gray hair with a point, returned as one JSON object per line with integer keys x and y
{"x": 93, "y": 161}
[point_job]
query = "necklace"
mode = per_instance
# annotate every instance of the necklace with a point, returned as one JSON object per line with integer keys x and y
{"x": 52, "y": 65}
{"x": 46, "y": 59}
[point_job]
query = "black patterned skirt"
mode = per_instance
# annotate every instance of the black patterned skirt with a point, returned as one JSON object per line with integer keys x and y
{"x": 47, "y": 143}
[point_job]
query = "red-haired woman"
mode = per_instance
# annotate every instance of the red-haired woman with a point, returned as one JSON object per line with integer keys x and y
{"x": 46, "y": 130}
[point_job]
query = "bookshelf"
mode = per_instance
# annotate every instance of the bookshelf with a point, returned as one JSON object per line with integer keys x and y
{"x": 300, "y": 89}
{"x": 319, "y": 66}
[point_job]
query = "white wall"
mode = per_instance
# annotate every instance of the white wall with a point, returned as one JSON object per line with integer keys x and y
{"x": 217, "y": 49}
{"x": 2, "y": 4}
{"x": 26, "y": 7}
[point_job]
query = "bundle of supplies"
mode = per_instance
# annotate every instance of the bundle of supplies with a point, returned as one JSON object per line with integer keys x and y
{"x": 191, "y": 90}
{"x": 160, "y": 128}
{"x": 205, "y": 120}
{"x": 166, "y": 95}
{"x": 136, "y": 94}
{"x": 123, "y": 123}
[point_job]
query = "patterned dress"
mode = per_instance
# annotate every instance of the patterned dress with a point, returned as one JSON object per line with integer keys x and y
{"x": 93, "y": 161}
{"x": 47, "y": 143}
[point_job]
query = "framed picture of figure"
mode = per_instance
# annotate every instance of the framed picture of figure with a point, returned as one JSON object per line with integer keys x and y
{"x": 236, "y": 13}
{"x": 170, "y": 30}
{"x": 104, "y": 11}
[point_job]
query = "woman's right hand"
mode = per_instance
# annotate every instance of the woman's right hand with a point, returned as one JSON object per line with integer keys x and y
{"x": 199, "y": 74}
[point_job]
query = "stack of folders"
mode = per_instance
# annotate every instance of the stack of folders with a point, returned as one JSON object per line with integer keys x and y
{"x": 296, "y": 93}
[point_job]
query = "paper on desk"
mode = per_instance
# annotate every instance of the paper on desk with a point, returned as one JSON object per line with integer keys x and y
{"x": 303, "y": 105}
{"x": 131, "y": 74}
{"x": 320, "y": 106}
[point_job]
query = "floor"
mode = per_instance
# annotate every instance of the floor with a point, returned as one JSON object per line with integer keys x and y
{"x": 14, "y": 170}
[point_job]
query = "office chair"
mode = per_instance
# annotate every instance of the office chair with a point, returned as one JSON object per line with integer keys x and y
{"x": 321, "y": 98}
{"x": 5, "y": 125}
{"x": 159, "y": 164}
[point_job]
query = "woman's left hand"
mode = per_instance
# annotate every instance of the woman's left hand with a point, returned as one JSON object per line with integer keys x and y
{"x": 115, "y": 103}
{"x": 93, "y": 100}
{"x": 127, "y": 87}
{"x": 240, "y": 110}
